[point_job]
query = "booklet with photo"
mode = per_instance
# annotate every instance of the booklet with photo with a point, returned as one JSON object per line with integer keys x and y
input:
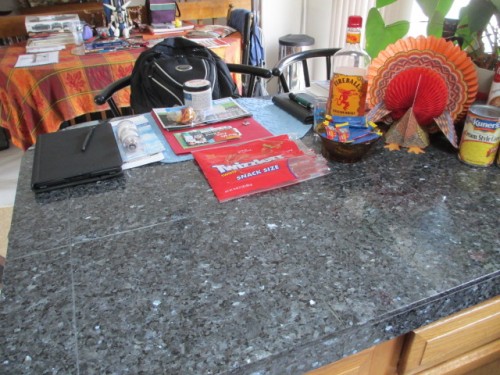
{"x": 177, "y": 118}
{"x": 206, "y": 136}
{"x": 209, "y": 136}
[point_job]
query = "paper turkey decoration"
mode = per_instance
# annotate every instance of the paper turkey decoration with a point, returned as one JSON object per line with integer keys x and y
{"x": 425, "y": 84}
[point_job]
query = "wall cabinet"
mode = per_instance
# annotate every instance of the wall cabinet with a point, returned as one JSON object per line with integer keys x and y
{"x": 467, "y": 342}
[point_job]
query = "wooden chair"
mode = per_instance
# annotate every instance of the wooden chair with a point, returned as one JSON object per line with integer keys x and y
{"x": 303, "y": 57}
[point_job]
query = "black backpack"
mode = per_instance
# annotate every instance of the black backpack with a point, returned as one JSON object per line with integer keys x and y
{"x": 160, "y": 72}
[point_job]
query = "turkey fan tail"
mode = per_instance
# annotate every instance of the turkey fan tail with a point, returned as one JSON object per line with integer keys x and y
{"x": 445, "y": 124}
{"x": 377, "y": 113}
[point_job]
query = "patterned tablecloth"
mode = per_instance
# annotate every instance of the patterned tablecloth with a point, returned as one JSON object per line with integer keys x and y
{"x": 38, "y": 99}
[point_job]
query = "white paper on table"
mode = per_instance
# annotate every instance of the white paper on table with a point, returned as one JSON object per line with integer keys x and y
{"x": 35, "y": 59}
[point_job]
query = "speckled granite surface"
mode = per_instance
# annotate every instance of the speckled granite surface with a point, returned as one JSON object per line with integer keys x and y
{"x": 150, "y": 274}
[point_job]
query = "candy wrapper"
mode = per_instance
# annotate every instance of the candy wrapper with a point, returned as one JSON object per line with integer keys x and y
{"x": 259, "y": 165}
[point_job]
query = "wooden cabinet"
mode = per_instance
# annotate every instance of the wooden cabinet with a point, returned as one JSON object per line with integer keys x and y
{"x": 378, "y": 360}
{"x": 467, "y": 342}
{"x": 457, "y": 344}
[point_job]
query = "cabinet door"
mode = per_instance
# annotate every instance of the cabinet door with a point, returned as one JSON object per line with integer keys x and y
{"x": 467, "y": 339}
{"x": 378, "y": 360}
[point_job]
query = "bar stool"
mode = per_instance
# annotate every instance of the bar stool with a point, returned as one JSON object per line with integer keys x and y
{"x": 289, "y": 44}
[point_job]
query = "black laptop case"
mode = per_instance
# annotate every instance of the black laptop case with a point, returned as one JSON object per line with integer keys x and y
{"x": 75, "y": 156}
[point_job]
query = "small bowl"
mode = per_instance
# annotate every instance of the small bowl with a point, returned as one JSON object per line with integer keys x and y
{"x": 345, "y": 152}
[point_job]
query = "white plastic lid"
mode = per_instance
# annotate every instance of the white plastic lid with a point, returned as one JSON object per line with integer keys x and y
{"x": 196, "y": 85}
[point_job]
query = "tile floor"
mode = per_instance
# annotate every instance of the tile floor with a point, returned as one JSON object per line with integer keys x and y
{"x": 10, "y": 160}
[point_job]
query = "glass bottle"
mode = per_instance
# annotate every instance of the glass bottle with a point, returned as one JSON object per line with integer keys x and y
{"x": 349, "y": 84}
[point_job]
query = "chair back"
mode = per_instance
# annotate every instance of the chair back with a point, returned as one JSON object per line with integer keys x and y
{"x": 242, "y": 20}
{"x": 251, "y": 72}
{"x": 302, "y": 57}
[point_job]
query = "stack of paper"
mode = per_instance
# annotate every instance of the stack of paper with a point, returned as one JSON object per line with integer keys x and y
{"x": 36, "y": 59}
{"x": 49, "y": 42}
{"x": 51, "y": 32}
{"x": 157, "y": 28}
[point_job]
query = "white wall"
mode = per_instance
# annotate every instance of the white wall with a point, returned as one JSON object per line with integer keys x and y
{"x": 324, "y": 20}
{"x": 310, "y": 17}
{"x": 9, "y": 5}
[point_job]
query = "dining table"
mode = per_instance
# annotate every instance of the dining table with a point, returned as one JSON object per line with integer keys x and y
{"x": 38, "y": 99}
{"x": 150, "y": 273}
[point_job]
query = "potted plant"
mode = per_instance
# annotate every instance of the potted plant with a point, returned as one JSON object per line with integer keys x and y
{"x": 478, "y": 27}
{"x": 474, "y": 26}
{"x": 378, "y": 35}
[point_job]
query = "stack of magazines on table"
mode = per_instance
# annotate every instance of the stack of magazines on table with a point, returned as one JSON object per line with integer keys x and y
{"x": 50, "y": 33}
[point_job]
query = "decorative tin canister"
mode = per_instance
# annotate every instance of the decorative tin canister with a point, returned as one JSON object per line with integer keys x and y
{"x": 481, "y": 136}
{"x": 198, "y": 94}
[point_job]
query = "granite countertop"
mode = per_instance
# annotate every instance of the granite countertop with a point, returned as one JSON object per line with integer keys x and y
{"x": 148, "y": 273}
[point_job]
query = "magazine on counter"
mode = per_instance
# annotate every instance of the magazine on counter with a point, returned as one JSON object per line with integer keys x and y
{"x": 177, "y": 118}
{"x": 213, "y": 135}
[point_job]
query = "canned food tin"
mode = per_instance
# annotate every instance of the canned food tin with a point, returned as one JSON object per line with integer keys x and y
{"x": 481, "y": 136}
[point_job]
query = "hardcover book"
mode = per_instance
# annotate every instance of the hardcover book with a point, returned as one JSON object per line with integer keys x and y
{"x": 75, "y": 156}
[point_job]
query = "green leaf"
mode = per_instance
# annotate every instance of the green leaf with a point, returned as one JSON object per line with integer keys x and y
{"x": 463, "y": 29}
{"x": 444, "y": 6}
{"x": 496, "y": 3}
{"x": 379, "y": 36}
{"x": 479, "y": 14}
{"x": 436, "y": 11}
{"x": 383, "y": 3}
{"x": 435, "y": 25}
{"x": 428, "y": 6}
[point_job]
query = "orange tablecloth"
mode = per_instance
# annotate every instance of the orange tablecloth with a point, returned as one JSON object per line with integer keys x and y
{"x": 38, "y": 99}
